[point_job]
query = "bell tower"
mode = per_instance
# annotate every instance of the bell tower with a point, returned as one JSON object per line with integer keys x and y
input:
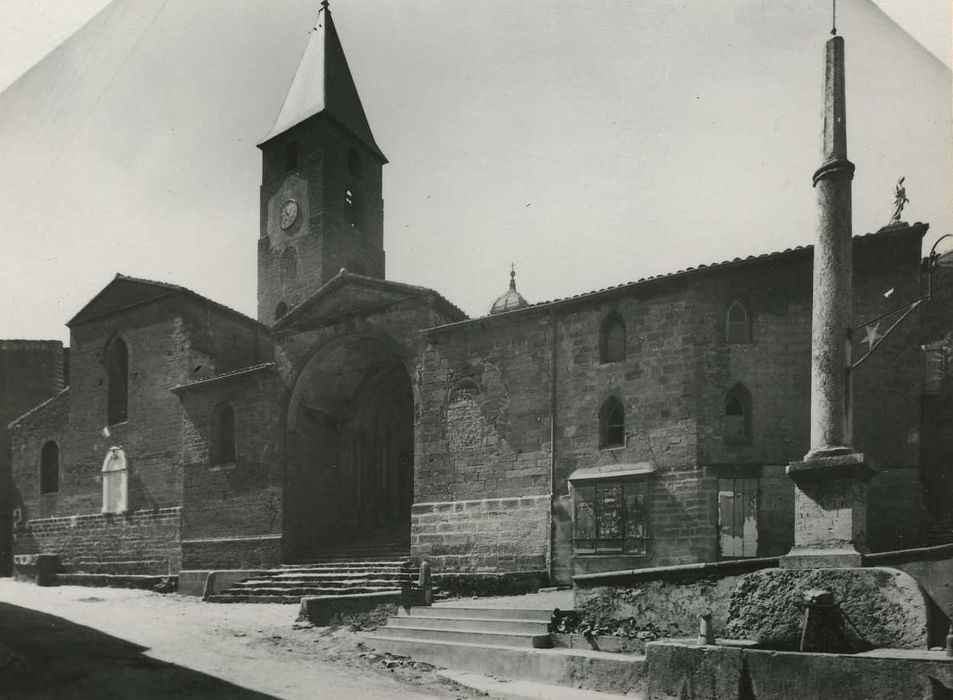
{"x": 321, "y": 197}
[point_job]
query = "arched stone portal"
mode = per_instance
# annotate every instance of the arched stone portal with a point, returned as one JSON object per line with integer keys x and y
{"x": 349, "y": 476}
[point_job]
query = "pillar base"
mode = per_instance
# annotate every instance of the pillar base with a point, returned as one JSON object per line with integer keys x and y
{"x": 830, "y": 510}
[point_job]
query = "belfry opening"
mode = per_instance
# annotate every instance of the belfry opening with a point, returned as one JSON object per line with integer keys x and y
{"x": 349, "y": 478}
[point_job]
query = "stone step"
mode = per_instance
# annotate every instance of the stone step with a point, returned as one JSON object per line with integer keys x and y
{"x": 299, "y": 591}
{"x": 474, "y": 636}
{"x": 351, "y": 563}
{"x": 595, "y": 670}
{"x": 332, "y": 574}
{"x": 335, "y": 582}
{"x": 228, "y": 598}
{"x": 470, "y": 623}
{"x": 479, "y": 613}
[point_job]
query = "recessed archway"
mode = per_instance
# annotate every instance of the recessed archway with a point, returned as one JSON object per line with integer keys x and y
{"x": 349, "y": 469}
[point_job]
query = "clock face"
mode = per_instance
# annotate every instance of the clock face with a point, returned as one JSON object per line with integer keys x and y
{"x": 288, "y": 214}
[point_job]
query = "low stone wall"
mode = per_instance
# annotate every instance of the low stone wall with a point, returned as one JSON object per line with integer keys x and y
{"x": 139, "y": 542}
{"x": 482, "y": 536}
{"x": 252, "y": 552}
{"x": 686, "y": 671}
{"x": 667, "y": 600}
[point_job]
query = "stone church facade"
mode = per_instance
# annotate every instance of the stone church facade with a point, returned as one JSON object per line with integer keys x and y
{"x": 642, "y": 425}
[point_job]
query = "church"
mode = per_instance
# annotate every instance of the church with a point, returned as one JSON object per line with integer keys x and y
{"x": 645, "y": 424}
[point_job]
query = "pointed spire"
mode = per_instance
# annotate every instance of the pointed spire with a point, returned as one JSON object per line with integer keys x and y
{"x": 323, "y": 83}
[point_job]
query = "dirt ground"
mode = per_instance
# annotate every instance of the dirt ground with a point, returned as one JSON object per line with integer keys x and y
{"x": 73, "y": 642}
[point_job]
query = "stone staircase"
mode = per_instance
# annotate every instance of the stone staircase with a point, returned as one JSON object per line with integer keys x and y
{"x": 347, "y": 576}
{"x": 513, "y": 644}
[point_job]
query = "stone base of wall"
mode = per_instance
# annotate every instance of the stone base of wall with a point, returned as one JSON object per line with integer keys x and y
{"x": 140, "y": 542}
{"x": 492, "y": 535}
{"x": 512, "y": 583}
{"x": 255, "y": 552}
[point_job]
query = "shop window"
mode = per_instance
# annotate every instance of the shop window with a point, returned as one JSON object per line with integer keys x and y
{"x": 612, "y": 340}
{"x": 737, "y": 415}
{"x": 222, "y": 443}
{"x": 612, "y": 424}
{"x": 50, "y": 468}
{"x": 117, "y": 382}
{"x": 611, "y": 516}
{"x": 737, "y": 327}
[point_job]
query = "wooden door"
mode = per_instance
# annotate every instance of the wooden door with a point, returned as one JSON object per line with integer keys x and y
{"x": 738, "y": 517}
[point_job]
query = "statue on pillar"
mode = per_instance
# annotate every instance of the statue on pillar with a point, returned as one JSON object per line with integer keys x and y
{"x": 899, "y": 199}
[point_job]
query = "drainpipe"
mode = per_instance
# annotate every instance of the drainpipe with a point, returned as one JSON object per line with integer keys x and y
{"x": 552, "y": 449}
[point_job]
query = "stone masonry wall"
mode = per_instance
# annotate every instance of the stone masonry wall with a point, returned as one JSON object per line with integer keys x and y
{"x": 31, "y": 371}
{"x": 483, "y": 438}
{"x": 485, "y": 535}
{"x": 139, "y": 542}
{"x": 232, "y": 513}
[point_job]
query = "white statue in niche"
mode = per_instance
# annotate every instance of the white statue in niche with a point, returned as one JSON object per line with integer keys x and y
{"x": 115, "y": 481}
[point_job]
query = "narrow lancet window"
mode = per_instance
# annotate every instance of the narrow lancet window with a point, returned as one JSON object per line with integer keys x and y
{"x": 737, "y": 328}
{"x": 117, "y": 380}
{"x": 737, "y": 416}
{"x": 50, "y": 468}
{"x": 612, "y": 424}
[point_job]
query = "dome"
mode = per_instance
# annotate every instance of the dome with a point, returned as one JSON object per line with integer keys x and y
{"x": 511, "y": 300}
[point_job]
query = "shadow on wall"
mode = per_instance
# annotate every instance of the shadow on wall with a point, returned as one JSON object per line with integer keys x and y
{"x": 43, "y": 656}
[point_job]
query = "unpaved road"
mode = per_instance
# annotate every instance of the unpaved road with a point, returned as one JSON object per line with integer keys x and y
{"x": 72, "y": 642}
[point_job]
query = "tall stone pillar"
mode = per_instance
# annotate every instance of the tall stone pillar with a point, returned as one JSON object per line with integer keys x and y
{"x": 831, "y": 490}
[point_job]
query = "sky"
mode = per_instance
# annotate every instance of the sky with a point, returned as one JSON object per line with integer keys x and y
{"x": 588, "y": 143}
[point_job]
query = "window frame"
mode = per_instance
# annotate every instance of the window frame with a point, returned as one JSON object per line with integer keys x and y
{"x": 609, "y": 408}
{"x": 626, "y": 544}
{"x": 745, "y": 326}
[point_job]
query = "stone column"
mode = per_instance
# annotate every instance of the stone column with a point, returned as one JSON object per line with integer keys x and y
{"x": 830, "y": 503}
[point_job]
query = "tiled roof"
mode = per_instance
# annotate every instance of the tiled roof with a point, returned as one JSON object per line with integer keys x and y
{"x": 723, "y": 265}
{"x": 224, "y": 375}
{"x": 183, "y": 290}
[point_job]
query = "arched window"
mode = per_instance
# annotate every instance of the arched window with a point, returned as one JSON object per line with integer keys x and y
{"x": 117, "y": 382}
{"x": 612, "y": 339}
{"x": 280, "y": 310}
{"x": 291, "y": 156}
{"x": 222, "y": 443}
{"x": 353, "y": 207}
{"x": 612, "y": 424}
{"x": 737, "y": 415}
{"x": 354, "y": 163}
{"x": 737, "y": 328}
{"x": 50, "y": 468}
